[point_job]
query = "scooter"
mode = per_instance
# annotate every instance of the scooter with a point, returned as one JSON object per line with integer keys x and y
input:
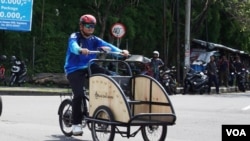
{"x": 195, "y": 82}
{"x": 168, "y": 80}
{"x": 18, "y": 73}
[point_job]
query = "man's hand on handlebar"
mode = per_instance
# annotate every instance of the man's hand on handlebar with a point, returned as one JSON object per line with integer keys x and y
{"x": 125, "y": 53}
{"x": 107, "y": 49}
{"x": 84, "y": 51}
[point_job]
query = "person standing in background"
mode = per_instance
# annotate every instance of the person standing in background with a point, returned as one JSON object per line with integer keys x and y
{"x": 156, "y": 63}
{"x": 238, "y": 65}
{"x": 223, "y": 71}
{"x": 212, "y": 75}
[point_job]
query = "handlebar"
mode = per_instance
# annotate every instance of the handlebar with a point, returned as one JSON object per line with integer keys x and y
{"x": 104, "y": 52}
{"x": 106, "y": 63}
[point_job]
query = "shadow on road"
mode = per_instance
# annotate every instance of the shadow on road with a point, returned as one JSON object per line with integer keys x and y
{"x": 64, "y": 138}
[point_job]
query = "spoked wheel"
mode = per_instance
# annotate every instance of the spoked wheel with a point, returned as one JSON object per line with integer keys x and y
{"x": 102, "y": 131}
{"x": 154, "y": 132}
{"x": 65, "y": 117}
{"x": 1, "y": 106}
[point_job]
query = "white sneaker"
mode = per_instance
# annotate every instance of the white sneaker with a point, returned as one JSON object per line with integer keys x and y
{"x": 77, "y": 130}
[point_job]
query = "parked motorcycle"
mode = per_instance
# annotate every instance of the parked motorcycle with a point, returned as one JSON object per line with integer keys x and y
{"x": 195, "y": 82}
{"x": 241, "y": 79}
{"x": 18, "y": 72}
{"x": 231, "y": 78}
{"x": 2, "y": 69}
{"x": 168, "y": 80}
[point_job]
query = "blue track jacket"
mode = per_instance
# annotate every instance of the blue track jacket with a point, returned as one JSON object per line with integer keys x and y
{"x": 74, "y": 59}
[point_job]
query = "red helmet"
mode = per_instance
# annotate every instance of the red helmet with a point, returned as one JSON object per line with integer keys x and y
{"x": 87, "y": 19}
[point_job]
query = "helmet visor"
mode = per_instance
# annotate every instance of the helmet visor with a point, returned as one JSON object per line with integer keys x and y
{"x": 89, "y": 25}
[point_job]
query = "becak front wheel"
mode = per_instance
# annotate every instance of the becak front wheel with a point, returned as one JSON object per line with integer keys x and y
{"x": 65, "y": 117}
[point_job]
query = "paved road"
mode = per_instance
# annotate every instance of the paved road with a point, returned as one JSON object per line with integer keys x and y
{"x": 199, "y": 117}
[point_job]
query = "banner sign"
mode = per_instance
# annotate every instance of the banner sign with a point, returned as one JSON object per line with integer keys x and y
{"x": 16, "y": 15}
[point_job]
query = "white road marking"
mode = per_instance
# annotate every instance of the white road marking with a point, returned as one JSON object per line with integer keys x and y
{"x": 246, "y": 108}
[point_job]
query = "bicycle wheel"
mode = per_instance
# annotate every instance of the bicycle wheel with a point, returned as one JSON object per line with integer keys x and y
{"x": 1, "y": 106}
{"x": 154, "y": 132}
{"x": 65, "y": 117}
{"x": 103, "y": 131}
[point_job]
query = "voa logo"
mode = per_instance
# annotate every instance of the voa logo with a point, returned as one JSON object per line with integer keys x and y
{"x": 236, "y": 132}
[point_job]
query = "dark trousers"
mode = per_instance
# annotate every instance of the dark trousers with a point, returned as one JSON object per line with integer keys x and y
{"x": 213, "y": 79}
{"x": 156, "y": 75}
{"x": 224, "y": 78}
{"x": 77, "y": 80}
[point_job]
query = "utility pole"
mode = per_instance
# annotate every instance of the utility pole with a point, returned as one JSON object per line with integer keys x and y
{"x": 164, "y": 33}
{"x": 187, "y": 37}
{"x": 178, "y": 41}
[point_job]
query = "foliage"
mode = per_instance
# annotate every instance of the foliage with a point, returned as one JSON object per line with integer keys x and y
{"x": 220, "y": 21}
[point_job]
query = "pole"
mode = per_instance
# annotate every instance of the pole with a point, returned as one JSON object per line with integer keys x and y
{"x": 33, "y": 54}
{"x": 187, "y": 37}
{"x": 126, "y": 44}
{"x": 165, "y": 52}
{"x": 178, "y": 41}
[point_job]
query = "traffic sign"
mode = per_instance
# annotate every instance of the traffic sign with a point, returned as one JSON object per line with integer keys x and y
{"x": 118, "y": 30}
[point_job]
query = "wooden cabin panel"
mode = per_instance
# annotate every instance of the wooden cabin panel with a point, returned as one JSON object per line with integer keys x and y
{"x": 158, "y": 95}
{"x": 145, "y": 108}
{"x": 142, "y": 89}
{"x": 104, "y": 92}
{"x": 143, "y": 93}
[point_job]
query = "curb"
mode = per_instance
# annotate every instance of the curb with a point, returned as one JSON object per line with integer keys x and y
{"x": 229, "y": 89}
{"x": 34, "y": 91}
{"x": 44, "y": 91}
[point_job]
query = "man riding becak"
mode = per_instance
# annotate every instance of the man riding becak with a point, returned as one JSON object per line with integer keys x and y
{"x": 76, "y": 62}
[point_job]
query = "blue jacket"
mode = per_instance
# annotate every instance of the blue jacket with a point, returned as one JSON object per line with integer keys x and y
{"x": 74, "y": 59}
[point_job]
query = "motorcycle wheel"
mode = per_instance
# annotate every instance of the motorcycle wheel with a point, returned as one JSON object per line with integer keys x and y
{"x": 168, "y": 89}
{"x": 12, "y": 80}
{"x": 173, "y": 87}
{"x": 241, "y": 87}
{"x": 186, "y": 87}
